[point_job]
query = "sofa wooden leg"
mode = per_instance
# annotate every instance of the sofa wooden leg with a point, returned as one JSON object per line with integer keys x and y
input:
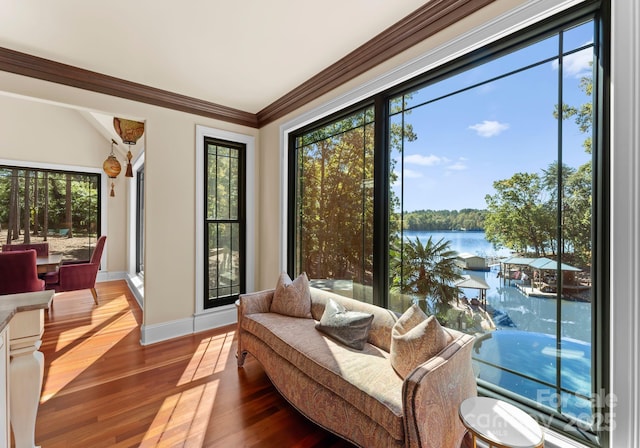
{"x": 95, "y": 295}
{"x": 241, "y": 356}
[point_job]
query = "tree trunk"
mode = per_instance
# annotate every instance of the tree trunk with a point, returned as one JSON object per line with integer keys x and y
{"x": 45, "y": 213}
{"x": 26, "y": 216}
{"x": 13, "y": 199}
{"x": 68, "y": 217}
{"x": 36, "y": 208}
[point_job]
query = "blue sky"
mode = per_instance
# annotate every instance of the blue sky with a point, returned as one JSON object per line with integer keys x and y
{"x": 468, "y": 140}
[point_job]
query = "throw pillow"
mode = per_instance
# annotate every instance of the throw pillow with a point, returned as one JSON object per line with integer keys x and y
{"x": 292, "y": 298}
{"x": 415, "y": 338}
{"x": 349, "y": 327}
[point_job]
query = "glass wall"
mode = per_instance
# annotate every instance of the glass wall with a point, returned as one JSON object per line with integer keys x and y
{"x": 492, "y": 215}
{"x": 57, "y": 207}
{"x": 477, "y": 203}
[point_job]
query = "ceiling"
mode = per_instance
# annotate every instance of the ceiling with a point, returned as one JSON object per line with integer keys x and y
{"x": 243, "y": 54}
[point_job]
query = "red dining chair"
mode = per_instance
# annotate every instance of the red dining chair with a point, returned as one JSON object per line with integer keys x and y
{"x": 19, "y": 273}
{"x": 42, "y": 249}
{"x": 77, "y": 276}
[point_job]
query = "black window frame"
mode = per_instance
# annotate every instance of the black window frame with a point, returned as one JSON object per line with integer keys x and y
{"x": 241, "y": 220}
{"x": 599, "y": 12}
{"x": 98, "y": 185}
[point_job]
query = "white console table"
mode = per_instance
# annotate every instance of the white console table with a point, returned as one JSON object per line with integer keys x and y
{"x": 23, "y": 315}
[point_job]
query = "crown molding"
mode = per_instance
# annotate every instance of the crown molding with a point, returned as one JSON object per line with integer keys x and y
{"x": 429, "y": 19}
{"x": 45, "y": 69}
{"x": 432, "y": 17}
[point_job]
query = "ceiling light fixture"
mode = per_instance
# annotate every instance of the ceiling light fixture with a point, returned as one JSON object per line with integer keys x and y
{"x": 112, "y": 167}
{"x": 129, "y": 131}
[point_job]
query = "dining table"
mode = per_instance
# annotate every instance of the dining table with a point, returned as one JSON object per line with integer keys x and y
{"x": 48, "y": 263}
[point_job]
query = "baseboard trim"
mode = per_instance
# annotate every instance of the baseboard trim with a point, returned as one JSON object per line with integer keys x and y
{"x": 136, "y": 286}
{"x": 151, "y": 334}
{"x": 219, "y": 317}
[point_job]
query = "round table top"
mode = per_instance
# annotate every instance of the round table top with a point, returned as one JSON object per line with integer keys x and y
{"x": 501, "y": 423}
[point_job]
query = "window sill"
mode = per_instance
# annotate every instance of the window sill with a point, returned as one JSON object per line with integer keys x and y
{"x": 553, "y": 439}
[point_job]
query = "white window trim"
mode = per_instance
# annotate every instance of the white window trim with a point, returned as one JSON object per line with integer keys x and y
{"x": 625, "y": 174}
{"x": 210, "y": 318}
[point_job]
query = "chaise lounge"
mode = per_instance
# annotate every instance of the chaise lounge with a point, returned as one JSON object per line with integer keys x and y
{"x": 374, "y": 396}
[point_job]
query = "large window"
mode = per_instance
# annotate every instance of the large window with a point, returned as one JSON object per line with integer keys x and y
{"x": 224, "y": 222}
{"x": 57, "y": 207}
{"x": 334, "y": 205}
{"x": 478, "y": 202}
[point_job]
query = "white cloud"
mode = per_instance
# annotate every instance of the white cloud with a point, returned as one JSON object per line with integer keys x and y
{"x": 430, "y": 160}
{"x": 576, "y": 64}
{"x": 489, "y": 128}
{"x": 458, "y": 166}
{"x": 411, "y": 174}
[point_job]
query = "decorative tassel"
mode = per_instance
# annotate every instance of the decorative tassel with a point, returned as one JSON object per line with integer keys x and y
{"x": 129, "y": 172}
{"x": 113, "y": 193}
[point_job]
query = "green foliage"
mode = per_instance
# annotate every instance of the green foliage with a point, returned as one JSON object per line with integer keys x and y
{"x": 522, "y": 213}
{"x": 335, "y": 200}
{"x": 519, "y": 216}
{"x": 223, "y": 167}
{"x": 434, "y": 220}
{"x": 427, "y": 271}
{"x": 84, "y": 199}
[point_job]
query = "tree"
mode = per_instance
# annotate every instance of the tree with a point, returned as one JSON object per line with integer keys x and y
{"x": 334, "y": 219}
{"x": 68, "y": 209}
{"x": 519, "y": 216}
{"x": 12, "y": 227}
{"x": 578, "y": 186}
{"x": 45, "y": 214}
{"x": 522, "y": 213}
{"x": 428, "y": 272}
{"x": 583, "y": 115}
{"x": 27, "y": 207}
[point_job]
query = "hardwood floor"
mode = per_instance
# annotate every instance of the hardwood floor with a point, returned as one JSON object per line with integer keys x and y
{"x": 102, "y": 388}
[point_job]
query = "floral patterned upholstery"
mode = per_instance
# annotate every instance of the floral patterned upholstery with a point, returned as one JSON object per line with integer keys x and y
{"x": 357, "y": 394}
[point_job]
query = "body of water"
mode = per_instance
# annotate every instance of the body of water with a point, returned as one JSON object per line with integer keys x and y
{"x": 520, "y": 312}
{"x": 521, "y": 355}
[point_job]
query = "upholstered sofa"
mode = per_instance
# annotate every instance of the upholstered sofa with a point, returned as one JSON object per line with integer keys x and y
{"x": 357, "y": 394}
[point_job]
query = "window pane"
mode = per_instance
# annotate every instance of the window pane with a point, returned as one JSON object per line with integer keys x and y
{"x": 335, "y": 205}
{"x": 224, "y": 247}
{"x": 59, "y": 208}
{"x": 494, "y": 188}
{"x": 517, "y": 60}
{"x": 222, "y": 182}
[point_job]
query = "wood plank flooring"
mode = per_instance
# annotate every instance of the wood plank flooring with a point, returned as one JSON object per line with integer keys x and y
{"x": 102, "y": 388}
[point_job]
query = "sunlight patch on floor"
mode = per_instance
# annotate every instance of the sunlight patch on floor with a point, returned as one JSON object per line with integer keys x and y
{"x": 210, "y": 357}
{"x": 183, "y": 418}
{"x": 70, "y": 365}
{"x": 98, "y": 318}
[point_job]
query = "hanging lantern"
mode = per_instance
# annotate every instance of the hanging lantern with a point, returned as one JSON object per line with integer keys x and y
{"x": 112, "y": 167}
{"x": 129, "y": 131}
